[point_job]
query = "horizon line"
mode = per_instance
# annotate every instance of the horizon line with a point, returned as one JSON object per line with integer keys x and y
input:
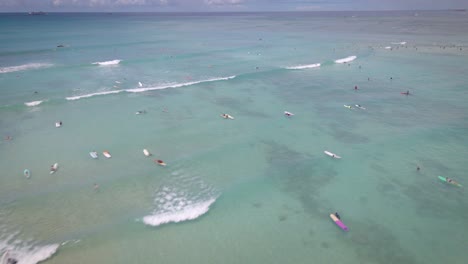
{"x": 265, "y": 11}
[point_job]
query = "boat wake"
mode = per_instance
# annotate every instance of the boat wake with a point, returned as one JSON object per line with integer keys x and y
{"x": 24, "y": 67}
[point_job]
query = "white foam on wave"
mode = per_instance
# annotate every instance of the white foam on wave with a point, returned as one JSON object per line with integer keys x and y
{"x": 24, "y": 67}
{"x": 345, "y": 60}
{"x": 33, "y": 103}
{"x": 388, "y": 47}
{"x": 399, "y": 43}
{"x": 300, "y": 67}
{"x": 189, "y": 212}
{"x": 107, "y": 63}
{"x": 177, "y": 85}
{"x": 139, "y": 90}
{"x": 92, "y": 94}
{"x": 25, "y": 252}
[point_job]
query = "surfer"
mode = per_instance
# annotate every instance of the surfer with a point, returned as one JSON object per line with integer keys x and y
{"x": 355, "y": 88}
{"x": 11, "y": 261}
{"x": 52, "y": 168}
{"x": 406, "y": 93}
{"x": 418, "y": 168}
{"x": 337, "y": 215}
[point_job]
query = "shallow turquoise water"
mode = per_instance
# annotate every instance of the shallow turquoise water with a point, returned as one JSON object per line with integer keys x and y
{"x": 256, "y": 189}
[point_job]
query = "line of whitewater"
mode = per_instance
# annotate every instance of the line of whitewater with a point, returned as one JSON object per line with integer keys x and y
{"x": 317, "y": 65}
{"x": 139, "y": 90}
{"x": 29, "y": 66}
{"x": 188, "y": 213}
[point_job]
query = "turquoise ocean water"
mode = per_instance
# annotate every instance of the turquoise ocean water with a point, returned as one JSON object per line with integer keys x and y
{"x": 255, "y": 189}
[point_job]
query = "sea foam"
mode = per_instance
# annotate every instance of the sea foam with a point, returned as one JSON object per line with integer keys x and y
{"x": 25, "y": 252}
{"x": 107, "y": 63}
{"x": 345, "y": 60}
{"x": 33, "y": 103}
{"x": 177, "y": 85}
{"x": 24, "y": 67}
{"x": 188, "y": 212}
{"x": 92, "y": 94}
{"x": 300, "y": 67}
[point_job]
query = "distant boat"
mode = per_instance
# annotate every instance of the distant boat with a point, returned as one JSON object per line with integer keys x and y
{"x": 37, "y": 13}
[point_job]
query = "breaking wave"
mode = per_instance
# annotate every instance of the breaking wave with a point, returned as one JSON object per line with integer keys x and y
{"x": 184, "y": 197}
{"x": 177, "y": 85}
{"x": 345, "y": 60}
{"x": 33, "y": 103}
{"x": 24, "y": 252}
{"x": 92, "y": 94}
{"x": 24, "y": 67}
{"x": 300, "y": 67}
{"x": 107, "y": 63}
{"x": 139, "y": 90}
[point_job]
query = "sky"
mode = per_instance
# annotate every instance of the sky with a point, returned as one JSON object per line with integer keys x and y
{"x": 224, "y": 5}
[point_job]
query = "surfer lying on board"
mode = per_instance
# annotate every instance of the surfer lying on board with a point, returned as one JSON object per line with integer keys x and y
{"x": 406, "y": 93}
{"x": 52, "y": 168}
{"x": 337, "y": 215}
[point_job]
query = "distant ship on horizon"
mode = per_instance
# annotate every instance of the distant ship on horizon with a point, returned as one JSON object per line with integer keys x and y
{"x": 37, "y": 13}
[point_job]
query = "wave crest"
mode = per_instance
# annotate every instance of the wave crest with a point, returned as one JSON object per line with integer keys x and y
{"x": 189, "y": 212}
{"x": 24, "y": 67}
{"x": 107, "y": 63}
{"x": 92, "y": 94}
{"x": 177, "y": 85}
{"x": 345, "y": 60}
{"x": 300, "y": 67}
{"x": 33, "y": 103}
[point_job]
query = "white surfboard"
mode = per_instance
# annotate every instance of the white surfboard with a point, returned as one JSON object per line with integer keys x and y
{"x": 286, "y": 113}
{"x": 227, "y": 116}
{"x": 146, "y": 152}
{"x": 348, "y": 106}
{"x": 140, "y": 84}
{"x": 93, "y": 154}
{"x": 54, "y": 168}
{"x": 5, "y": 256}
{"x": 360, "y": 107}
{"x": 106, "y": 154}
{"x": 333, "y": 155}
{"x": 57, "y": 124}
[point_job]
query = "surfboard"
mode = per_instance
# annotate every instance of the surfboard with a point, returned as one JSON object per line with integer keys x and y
{"x": 106, "y": 154}
{"x": 93, "y": 154}
{"x": 140, "y": 84}
{"x": 146, "y": 152}
{"x": 331, "y": 154}
{"x": 227, "y": 116}
{"x": 27, "y": 173}
{"x": 5, "y": 257}
{"x": 338, "y": 222}
{"x": 54, "y": 168}
{"x": 57, "y": 124}
{"x": 452, "y": 182}
{"x": 360, "y": 107}
{"x": 160, "y": 162}
{"x": 286, "y": 113}
{"x": 348, "y": 106}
